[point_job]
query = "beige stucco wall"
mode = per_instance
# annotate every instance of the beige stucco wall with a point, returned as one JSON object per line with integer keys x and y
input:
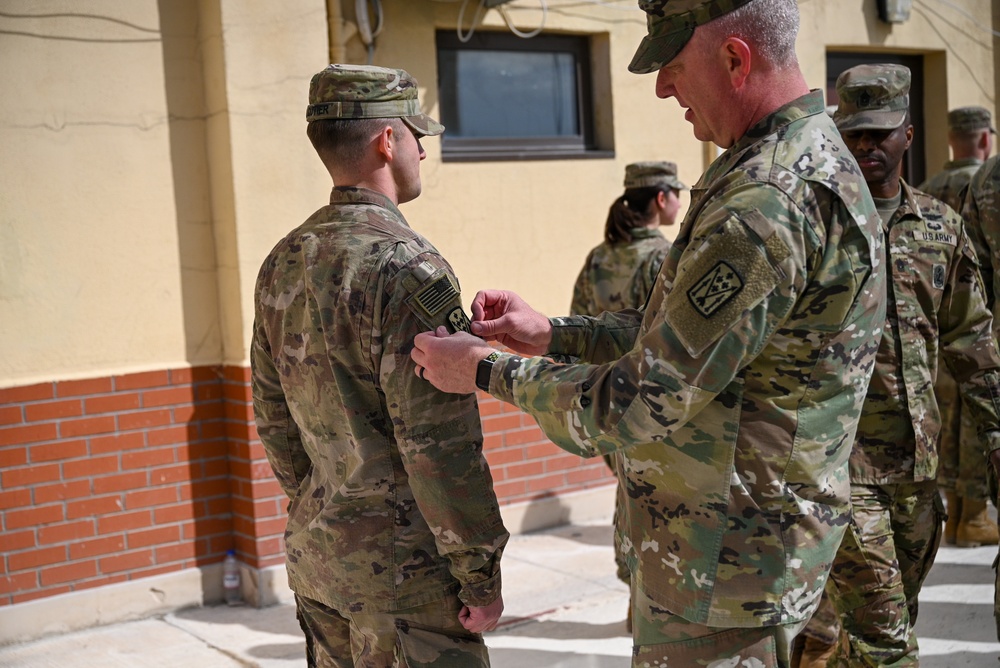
{"x": 152, "y": 152}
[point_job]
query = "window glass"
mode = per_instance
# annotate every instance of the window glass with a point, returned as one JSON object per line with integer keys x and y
{"x": 509, "y": 94}
{"x": 507, "y": 98}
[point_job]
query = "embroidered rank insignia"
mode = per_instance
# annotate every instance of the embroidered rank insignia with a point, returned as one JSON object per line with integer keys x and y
{"x": 458, "y": 321}
{"x": 937, "y": 276}
{"x": 715, "y": 288}
{"x": 435, "y": 296}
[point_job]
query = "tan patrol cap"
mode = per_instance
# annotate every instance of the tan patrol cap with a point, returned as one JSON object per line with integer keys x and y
{"x": 970, "y": 119}
{"x": 873, "y": 97}
{"x": 669, "y": 26}
{"x": 366, "y": 91}
{"x": 652, "y": 174}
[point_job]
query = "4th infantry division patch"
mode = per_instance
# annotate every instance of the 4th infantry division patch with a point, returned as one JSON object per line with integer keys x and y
{"x": 715, "y": 288}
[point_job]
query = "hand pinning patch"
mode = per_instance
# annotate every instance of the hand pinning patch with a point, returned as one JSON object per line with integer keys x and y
{"x": 715, "y": 288}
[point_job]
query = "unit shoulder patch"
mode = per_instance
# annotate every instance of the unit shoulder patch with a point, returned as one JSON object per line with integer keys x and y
{"x": 719, "y": 284}
{"x": 730, "y": 272}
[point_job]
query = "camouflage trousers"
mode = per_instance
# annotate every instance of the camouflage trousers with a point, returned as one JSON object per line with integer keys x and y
{"x": 621, "y": 562}
{"x": 664, "y": 640}
{"x": 882, "y": 562}
{"x": 962, "y": 468}
{"x": 428, "y": 635}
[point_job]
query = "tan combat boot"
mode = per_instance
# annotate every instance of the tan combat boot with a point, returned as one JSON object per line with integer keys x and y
{"x": 976, "y": 528}
{"x": 815, "y": 653}
{"x": 953, "y": 503}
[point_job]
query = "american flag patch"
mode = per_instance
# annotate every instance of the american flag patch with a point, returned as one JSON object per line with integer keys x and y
{"x": 435, "y": 296}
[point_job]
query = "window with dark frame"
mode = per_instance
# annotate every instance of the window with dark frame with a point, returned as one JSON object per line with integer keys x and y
{"x": 507, "y": 98}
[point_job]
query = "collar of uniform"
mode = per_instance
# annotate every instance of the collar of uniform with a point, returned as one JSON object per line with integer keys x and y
{"x": 907, "y": 206}
{"x": 356, "y": 195}
{"x": 964, "y": 162}
{"x": 809, "y": 104}
{"x": 644, "y": 232}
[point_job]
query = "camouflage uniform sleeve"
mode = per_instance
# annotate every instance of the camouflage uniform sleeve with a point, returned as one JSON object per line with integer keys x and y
{"x": 968, "y": 345}
{"x": 595, "y": 340}
{"x": 735, "y": 284}
{"x": 649, "y": 270}
{"x": 438, "y": 434}
{"x": 277, "y": 430}
{"x": 981, "y": 210}
{"x": 583, "y": 291}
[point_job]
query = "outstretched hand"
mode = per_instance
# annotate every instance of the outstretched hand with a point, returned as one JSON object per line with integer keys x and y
{"x": 449, "y": 361}
{"x": 480, "y": 620}
{"x": 501, "y": 315}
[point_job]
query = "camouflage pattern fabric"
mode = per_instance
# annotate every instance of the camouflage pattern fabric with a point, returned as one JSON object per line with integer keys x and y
{"x": 981, "y": 211}
{"x": 368, "y": 91}
{"x": 423, "y": 637}
{"x": 619, "y": 276}
{"x": 670, "y": 24}
{"x": 937, "y": 310}
{"x": 735, "y": 395}
{"x": 392, "y": 502}
{"x": 872, "y": 96}
{"x": 674, "y": 641}
{"x": 881, "y": 565}
{"x": 960, "y": 450}
{"x": 960, "y": 455}
{"x": 950, "y": 183}
{"x": 616, "y": 277}
{"x": 824, "y": 625}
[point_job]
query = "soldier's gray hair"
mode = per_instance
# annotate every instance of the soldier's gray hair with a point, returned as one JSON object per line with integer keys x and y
{"x": 769, "y": 25}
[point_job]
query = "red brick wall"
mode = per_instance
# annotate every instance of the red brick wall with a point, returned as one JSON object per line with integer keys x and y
{"x": 113, "y": 479}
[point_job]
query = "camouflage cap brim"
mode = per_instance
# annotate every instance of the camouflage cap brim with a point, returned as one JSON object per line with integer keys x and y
{"x": 656, "y": 51}
{"x": 869, "y": 120}
{"x": 669, "y": 26}
{"x": 423, "y": 125}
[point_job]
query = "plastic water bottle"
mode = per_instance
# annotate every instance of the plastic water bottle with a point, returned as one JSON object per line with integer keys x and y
{"x": 231, "y": 579}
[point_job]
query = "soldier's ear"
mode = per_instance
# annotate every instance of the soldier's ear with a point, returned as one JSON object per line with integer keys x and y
{"x": 385, "y": 143}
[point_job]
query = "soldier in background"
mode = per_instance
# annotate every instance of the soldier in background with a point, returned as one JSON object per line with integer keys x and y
{"x": 619, "y": 273}
{"x": 970, "y": 136}
{"x": 733, "y": 396}
{"x": 962, "y": 475}
{"x": 394, "y": 534}
{"x": 981, "y": 211}
{"x": 936, "y": 310}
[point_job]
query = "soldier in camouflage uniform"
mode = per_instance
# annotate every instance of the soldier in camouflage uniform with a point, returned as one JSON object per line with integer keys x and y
{"x": 394, "y": 534}
{"x": 936, "y": 308}
{"x": 734, "y": 395}
{"x": 962, "y": 475}
{"x": 620, "y": 272}
{"x": 981, "y": 211}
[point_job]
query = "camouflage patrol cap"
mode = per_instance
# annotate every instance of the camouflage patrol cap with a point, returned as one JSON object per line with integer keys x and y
{"x": 652, "y": 174}
{"x": 873, "y": 97}
{"x": 366, "y": 91}
{"x": 669, "y": 26}
{"x": 970, "y": 119}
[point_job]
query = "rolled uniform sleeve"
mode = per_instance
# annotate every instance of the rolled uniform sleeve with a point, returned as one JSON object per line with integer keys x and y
{"x": 737, "y": 282}
{"x": 438, "y": 434}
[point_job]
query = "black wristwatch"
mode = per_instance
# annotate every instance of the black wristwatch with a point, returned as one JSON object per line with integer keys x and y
{"x": 484, "y": 370}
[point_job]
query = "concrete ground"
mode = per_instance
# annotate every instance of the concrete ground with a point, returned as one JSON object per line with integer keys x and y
{"x": 564, "y": 609}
